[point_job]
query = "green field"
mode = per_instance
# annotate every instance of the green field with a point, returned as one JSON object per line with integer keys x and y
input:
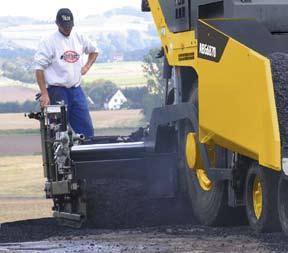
{"x": 123, "y": 74}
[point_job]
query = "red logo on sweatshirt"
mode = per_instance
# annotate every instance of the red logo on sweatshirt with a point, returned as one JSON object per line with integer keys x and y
{"x": 70, "y": 56}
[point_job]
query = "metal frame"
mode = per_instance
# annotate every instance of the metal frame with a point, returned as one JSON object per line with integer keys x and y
{"x": 174, "y": 113}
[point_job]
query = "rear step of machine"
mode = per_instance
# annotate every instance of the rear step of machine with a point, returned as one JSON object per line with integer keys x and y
{"x": 107, "y": 182}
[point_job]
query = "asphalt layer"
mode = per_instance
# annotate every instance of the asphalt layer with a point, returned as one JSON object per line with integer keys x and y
{"x": 122, "y": 203}
{"x": 51, "y": 237}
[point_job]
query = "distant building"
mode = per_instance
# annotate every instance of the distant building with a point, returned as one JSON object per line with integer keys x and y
{"x": 117, "y": 57}
{"x": 116, "y": 101}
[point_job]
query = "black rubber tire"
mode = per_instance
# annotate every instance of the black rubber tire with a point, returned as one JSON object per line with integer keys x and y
{"x": 279, "y": 65}
{"x": 209, "y": 207}
{"x": 269, "y": 220}
{"x": 283, "y": 203}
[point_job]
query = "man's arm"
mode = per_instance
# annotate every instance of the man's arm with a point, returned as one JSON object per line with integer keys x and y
{"x": 44, "y": 99}
{"x": 91, "y": 59}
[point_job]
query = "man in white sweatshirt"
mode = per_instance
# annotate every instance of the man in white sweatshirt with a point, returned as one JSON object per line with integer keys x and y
{"x": 59, "y": 67}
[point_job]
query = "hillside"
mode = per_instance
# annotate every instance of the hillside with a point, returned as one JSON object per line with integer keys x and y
{"x": 132, "y": 28}
{"x": 6, "y": 21}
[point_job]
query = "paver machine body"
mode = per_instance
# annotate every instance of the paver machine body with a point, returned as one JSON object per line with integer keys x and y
{"x": 230, "y": 62}
{"x": 221, "y": 137}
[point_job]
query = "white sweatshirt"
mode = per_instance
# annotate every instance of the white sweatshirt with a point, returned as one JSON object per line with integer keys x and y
{"x": 61, "y": 58}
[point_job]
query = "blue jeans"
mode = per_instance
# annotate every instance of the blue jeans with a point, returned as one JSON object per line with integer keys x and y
{"x": 77, "y": 109}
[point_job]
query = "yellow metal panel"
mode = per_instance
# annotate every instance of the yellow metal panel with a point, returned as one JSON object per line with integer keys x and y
{"x": 174, "y": 43}
{"x": 237, "y": 106}
{"x": 236, "y": 96}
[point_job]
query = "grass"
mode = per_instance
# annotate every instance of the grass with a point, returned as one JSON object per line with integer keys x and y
{"x": 123, "y": 74}
{"x": 12, "y": 209}
{"x": 21, "y": 176}
{"x": 21, "y": 189}
{"x": 8, "y": 132}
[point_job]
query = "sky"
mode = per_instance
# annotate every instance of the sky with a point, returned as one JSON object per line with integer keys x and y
{"x": 46, "y": 10}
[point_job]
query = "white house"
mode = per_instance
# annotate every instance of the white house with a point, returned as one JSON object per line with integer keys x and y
{"x": 117, "y": 57}
{"x": 115, "y": 102}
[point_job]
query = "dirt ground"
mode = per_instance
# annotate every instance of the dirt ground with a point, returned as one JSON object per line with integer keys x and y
{"x": 20, "y": 145}
{"x": 16, "y": 94}
{"x": 44, "y": 235}
{"x": 100, "y": 119}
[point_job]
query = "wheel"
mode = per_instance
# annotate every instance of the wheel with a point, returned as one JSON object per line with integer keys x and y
{"x": 261, "y": 198}
{"x": 208, "y": 199}
{"x": 283, "y": 203}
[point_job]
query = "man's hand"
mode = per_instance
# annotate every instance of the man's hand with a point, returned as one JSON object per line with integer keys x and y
{"x": 91, "y": 59}
{"x": 44, "y": 100}
{"x": 84, "y": 70}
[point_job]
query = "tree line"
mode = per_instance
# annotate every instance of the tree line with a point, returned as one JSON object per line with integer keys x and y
{"x": 99, "y": 92}
{"x": 16, "y": 107}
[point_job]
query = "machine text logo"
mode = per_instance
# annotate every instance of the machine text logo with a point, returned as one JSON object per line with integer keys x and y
{"x": 207, "y": 50}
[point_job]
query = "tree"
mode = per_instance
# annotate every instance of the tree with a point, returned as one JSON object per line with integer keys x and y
{"x": 99, "y": 91}
{"x": 27, "y": 106}
{"x": 135, "y": 39}
{"x": 153, "y": 71}
{"x": 135, "y": 96}
{"x": 20, "y": 69}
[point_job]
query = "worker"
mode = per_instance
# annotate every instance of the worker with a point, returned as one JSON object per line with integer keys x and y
{"x": 59, "y": 65}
